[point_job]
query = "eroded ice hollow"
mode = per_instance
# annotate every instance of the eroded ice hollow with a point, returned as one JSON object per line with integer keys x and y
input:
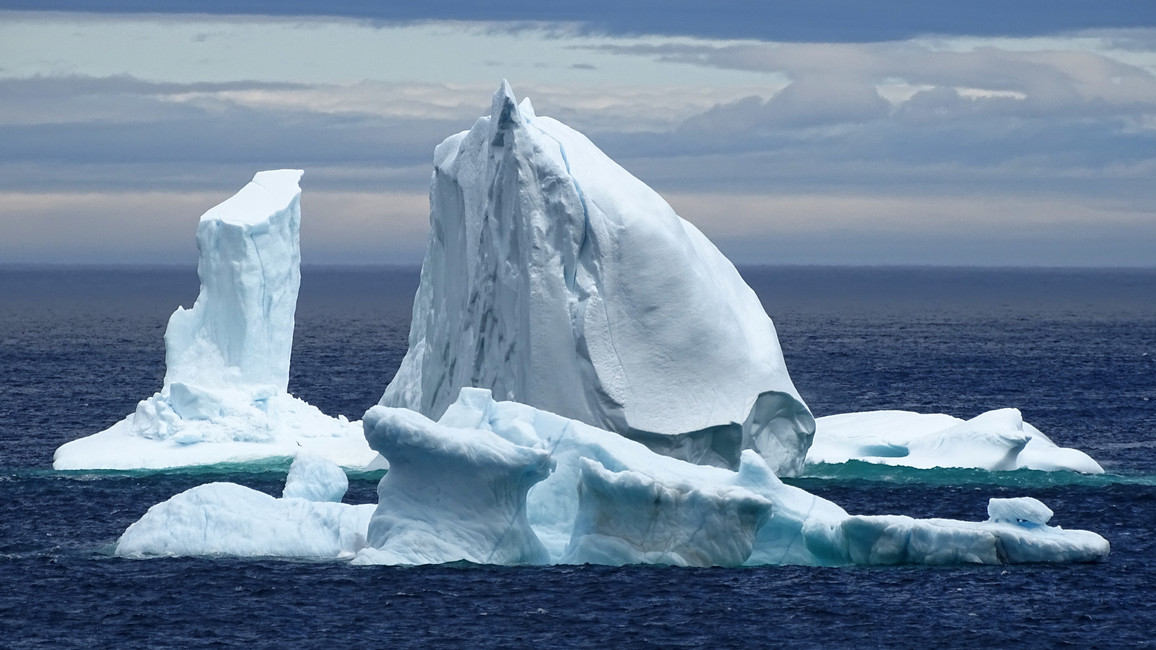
{"x": 555, "y": 278}
{"x": 225, "y": 394}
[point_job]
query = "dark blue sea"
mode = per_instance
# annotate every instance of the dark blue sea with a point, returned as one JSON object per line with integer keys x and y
{"x": 1075, "y": 350}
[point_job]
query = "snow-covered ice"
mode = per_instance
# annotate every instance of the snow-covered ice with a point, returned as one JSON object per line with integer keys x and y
{"x": 224, "y": 397}
{"x": 232, "y": 520}
{"x": 997, "y": 440}
{"x": 555, "y": 278}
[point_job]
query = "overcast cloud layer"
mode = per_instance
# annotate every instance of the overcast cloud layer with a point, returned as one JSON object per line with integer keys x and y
{"x": 118, "y": 131}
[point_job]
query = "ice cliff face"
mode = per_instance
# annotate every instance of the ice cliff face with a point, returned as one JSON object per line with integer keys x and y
{"x": 450, "y": 494}
{"x": 555, "y": 278}
{"x": 239, "y": 332}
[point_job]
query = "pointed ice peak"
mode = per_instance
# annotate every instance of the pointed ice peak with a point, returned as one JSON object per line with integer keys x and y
{"x": 571, "y": 286}
{"x": 526, "y": 108}
{"x": 503, "y": 114}
{"x": 268, "y": 193}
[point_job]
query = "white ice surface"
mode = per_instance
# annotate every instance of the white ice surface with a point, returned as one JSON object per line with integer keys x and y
{"x": 631, "y": 517}
{"x": 224, "y": 397}
{"x": 478, "y": 487}
{"x": 450, "y": 494}
{"x": 315, "y": 479}
{"x": 611, "y": 500}
{"x": 555, "y": 278}
{"x": 996, "y": 440}
{"x": 233, "y": 520}
{"x": 1021, "y": 510}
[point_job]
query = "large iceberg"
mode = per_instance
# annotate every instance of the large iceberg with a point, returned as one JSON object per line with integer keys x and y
{"x": 997, "y": 440}
{"x": 632, "y": 405}
{"x": 555, "y": 278}
{"x": 225, "y": 395}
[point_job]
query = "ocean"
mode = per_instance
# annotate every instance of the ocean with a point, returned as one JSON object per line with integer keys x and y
{"x": 1074, "y": 350}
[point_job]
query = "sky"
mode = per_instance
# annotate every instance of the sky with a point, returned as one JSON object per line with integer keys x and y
{"x": 833, "y": 132}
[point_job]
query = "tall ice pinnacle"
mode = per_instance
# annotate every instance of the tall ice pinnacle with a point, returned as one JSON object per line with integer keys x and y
{"x": 555, "y": 278}
{"x": 225, "y": 396}
{"x": 240, "y": 330}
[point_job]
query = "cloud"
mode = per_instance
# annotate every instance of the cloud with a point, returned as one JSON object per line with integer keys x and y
{"x": 978, "y": 120}
{"x": 85, "y": 121}
{"x": 809, "y": 102}
{"x": 78, "y": 132}
{"x": 160, "y": 227}
{"x": 922, "y": 230}
{"x": 860, "y": 151}
{"x": 1049, "y": 77}
{"x": 814, "y": 20}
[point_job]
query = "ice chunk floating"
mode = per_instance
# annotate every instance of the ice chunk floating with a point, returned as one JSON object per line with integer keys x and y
{"x": 233, "y": 520}
{"x": 225, "y": 395}
{"x": 555, "y": 278}
{"x": 998, "y": 440}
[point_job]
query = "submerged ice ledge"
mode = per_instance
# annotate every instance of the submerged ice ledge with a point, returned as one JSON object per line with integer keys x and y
{"x": 225, "y": 395}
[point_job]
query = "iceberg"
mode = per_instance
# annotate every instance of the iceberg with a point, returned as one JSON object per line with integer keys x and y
{"x": 611, "y": 500}
{"x": 588, "y": 380}
{"x": 224, "y": 397}
{"x": 556, "y": 279}
{"x": 997, "y": 440}
{"x": 226, "y": 519}
{"x": 504, "y": 483}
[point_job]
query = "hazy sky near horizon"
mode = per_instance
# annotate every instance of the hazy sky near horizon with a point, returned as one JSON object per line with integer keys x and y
{"x": 817, "y": 133}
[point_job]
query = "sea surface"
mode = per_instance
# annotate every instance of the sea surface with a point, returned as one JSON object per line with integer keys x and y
{"x": 1075, "y": 350}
